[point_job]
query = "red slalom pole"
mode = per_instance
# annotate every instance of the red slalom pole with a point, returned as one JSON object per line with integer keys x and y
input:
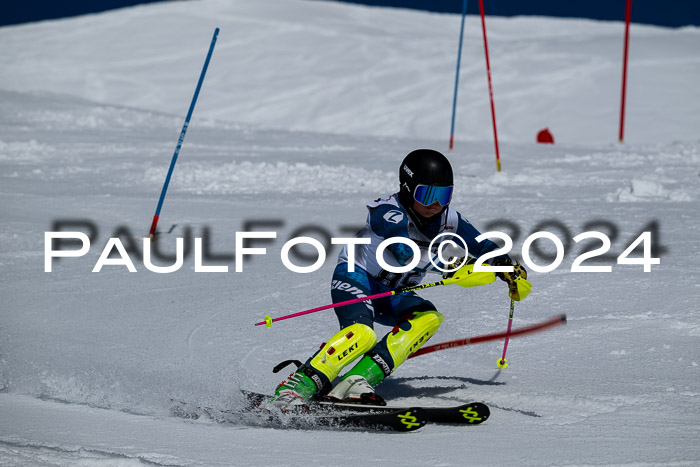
{"x": 488, "y": 73}
{"x": 552, "y": 322}
{"x": 628, "y": 17}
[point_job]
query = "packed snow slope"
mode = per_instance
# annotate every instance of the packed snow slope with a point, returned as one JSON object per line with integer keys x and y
{"x": 329, "y": 67}
{"x": 305, "y": 114}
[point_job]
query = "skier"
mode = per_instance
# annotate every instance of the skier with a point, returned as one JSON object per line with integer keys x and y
{"x": 420, "y": 211}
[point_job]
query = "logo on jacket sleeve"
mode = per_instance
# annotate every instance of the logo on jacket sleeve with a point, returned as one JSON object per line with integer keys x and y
{"x": 393, "y": 216}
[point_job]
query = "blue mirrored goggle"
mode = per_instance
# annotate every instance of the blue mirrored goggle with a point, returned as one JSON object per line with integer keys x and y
{"x": 428, "y": 194}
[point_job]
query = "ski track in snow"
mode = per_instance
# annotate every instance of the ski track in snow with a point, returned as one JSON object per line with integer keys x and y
{"x": 91, "y": 362}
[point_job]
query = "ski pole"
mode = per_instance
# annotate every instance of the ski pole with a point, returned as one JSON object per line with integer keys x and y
{"x": 465, "y": 277}
{"x": 552, "y": 322}
{"x": 152, "y": 231}
{"x": 503, "y": 363}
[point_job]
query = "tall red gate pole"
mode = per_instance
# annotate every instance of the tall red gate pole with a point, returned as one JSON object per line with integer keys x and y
{"x": 488, "y": 73}
{"x": 628, "y": 16}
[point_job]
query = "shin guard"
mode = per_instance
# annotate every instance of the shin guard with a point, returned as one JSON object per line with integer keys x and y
{"x": 343, "y": 348}
{"x": 408, "y": 336}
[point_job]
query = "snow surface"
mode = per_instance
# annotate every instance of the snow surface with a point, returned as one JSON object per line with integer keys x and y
{"x": 305, "y": 113}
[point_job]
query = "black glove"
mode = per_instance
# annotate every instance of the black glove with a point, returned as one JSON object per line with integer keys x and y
{"x": 453, "y": 262}
{"x": 509, "y": 277}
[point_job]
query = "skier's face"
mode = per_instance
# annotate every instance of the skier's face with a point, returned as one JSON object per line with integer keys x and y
{"x": 427, "y": 211}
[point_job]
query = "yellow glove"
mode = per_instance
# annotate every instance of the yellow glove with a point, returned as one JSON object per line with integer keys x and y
{"x": 518, "y": 285}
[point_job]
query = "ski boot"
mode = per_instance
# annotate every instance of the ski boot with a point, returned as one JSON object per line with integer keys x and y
{"x": 357, "y": 385}
{"x": 291, "y": 395}
{"x": 355, "y": 390}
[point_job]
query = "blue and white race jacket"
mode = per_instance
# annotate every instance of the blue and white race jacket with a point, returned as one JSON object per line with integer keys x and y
{"x": 387, "y": 218}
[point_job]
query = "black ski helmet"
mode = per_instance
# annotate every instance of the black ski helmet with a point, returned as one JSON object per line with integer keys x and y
{"x": 422, "y": 167}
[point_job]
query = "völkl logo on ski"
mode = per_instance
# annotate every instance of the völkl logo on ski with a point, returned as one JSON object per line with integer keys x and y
{"x": 471, "y": 415}
{"x": 408, "y": 420}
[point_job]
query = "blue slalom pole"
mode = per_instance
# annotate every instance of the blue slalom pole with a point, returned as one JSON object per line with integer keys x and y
{"x": 152, "y": 232}
{"x": 459, "y": 59}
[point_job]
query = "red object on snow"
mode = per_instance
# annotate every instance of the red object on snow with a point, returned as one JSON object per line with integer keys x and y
{"x": 545, "y": 137}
